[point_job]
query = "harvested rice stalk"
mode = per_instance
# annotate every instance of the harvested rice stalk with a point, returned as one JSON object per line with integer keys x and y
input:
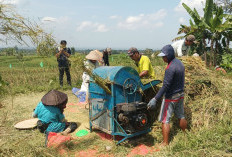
{"x": 98, "y": 80}
{"x": 198, "y": 79}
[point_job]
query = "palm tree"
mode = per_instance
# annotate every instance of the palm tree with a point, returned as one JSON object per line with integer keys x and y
{"x": 213, "y": 26}
{"x": 199, "y": 27}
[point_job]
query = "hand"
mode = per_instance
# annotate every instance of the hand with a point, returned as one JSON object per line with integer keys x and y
{"x": 152, "y": 104}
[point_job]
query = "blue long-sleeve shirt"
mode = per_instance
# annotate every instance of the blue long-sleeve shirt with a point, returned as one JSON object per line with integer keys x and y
{"x": 174, "y": 78}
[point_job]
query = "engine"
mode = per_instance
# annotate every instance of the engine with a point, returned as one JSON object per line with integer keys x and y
{"x": 133, "y": 116}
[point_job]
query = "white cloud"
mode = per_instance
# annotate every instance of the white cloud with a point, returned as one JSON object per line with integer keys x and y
{"x": 198, "y": 4}
{"x": 101, "y": 28}
{"x": 9, "y": 1}
{"x": 158, "y": 15}
{"x": 84, "y": 25}
{"x": 143, "y": 21}
{"x": 134, "y": 19}
{"x": 114, "y": 17}
{"x": 159, "y": 24}
{"x": 182, "y": 20}
{"x": 88, "y": 25}
{"x": 60, "y": 20}
{"x": 15, "y": 2}
{"x": 48, "y": 19}
{"x": 63, "y": 19}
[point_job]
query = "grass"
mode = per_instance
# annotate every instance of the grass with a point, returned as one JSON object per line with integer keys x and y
{"x": 208, "y": 101}
{"x": 26, "y": 75}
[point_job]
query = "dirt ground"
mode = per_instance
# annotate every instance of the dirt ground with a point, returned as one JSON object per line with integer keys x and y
{"x": 20, "y": 107}
{"x": 74, "y": 112}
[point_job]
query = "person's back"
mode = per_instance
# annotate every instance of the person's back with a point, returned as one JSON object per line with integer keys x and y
{"x": 48, "y": 114}
{"x": 179, "y": 48}
{"x": 182, "y": 47}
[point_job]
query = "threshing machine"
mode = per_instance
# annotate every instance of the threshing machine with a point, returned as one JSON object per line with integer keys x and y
{"x": 122, "y": 111}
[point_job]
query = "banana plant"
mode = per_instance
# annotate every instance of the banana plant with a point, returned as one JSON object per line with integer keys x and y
{"x": 213, "y": 26}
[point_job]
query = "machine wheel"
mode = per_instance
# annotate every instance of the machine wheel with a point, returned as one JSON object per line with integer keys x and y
{"x": 130, "y": 86}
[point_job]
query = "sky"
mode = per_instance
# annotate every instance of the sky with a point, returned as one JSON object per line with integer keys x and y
{"x": 119, "y": 24}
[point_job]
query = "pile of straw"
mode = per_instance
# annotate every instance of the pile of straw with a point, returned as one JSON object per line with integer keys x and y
{"x": 198, "y": 79}
{"x": 204, "y": 92}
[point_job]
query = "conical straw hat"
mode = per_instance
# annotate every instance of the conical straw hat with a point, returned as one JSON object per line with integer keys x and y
{"x": 99, "y": 53}
{"x": 93, "y": 55}
{"x": 54, "y": 98}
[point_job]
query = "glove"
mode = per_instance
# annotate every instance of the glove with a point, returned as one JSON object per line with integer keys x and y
{"x": 152, "y": 104}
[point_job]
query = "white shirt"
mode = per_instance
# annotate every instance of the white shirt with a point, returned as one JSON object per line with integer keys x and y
{"x": 85, "y": 77}
{"x": 180, "y": 48}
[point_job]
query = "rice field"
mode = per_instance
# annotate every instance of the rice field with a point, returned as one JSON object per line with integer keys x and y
{"x": 208, "y": 107}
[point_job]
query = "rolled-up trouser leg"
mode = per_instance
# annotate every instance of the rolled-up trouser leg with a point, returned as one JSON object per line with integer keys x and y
{"x": 72, "y": 126}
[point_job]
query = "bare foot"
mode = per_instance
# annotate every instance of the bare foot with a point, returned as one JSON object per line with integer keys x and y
{"x": 161, "y": 145}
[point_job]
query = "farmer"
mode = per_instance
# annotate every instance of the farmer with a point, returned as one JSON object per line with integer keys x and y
{"x": 62, "y": 55}
{"x": 50, "y": 114}
{"x": 181, "y": 47}
{"x": 173, "y": 92}
{"x": 143, "y": 64}
{"x": 106, "y": 53}
{"x": 91, "y": 62}
{"x": 101, "y": 60}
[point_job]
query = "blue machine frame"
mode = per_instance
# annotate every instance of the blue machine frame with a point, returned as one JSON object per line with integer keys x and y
{"x": 124, "y": 84}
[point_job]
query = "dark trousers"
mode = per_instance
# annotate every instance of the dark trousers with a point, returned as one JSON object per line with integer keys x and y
{"x": 107, "y": 63}
{"x": 67, "y": 71}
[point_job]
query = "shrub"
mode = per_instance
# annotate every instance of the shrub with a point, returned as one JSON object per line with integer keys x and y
{"x": 227, "y": 62}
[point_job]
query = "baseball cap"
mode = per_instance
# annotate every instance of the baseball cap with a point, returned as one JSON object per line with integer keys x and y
{"x": 132, "y": 51}
{"x": 168, "y": 49}
{"x": 161, "y": 54}
{"x": 191, "y": 38}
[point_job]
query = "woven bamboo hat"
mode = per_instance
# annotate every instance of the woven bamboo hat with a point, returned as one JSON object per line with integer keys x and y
{"x": 99, "y": 53}
{"x": 93, "y": 55}
{"x": 54, "y": 98}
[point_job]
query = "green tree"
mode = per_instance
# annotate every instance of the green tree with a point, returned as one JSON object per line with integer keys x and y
{"x": 226, "y": 4}
{"x": 73, "y": 50}
{"x": 148, "y": 51}
{"x": 22, "y": 30}
{"x": 213, "y": 26}
{"x": 47, "y": 46}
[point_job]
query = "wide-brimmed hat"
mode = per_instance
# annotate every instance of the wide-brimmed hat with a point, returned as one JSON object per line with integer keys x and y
{"x": 54, "y": 98}
{"x": 99, "y": 53}
{"x": 93, "y": 55}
